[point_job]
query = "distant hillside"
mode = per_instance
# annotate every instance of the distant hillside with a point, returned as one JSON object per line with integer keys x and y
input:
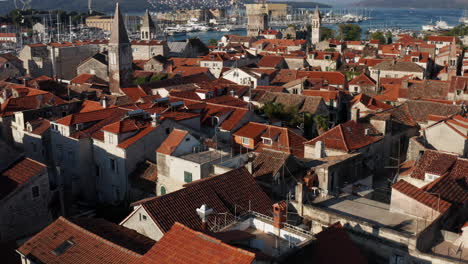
{"x": 415, "y": 3}
{"x": 81, "y": 5}
{"x": 127, "y": 5}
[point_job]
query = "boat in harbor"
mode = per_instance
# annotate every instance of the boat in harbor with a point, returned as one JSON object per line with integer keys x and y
{"x": 227, "y": 28}
{"x": 464, "y": 18}
{"x": 439, "y": 25}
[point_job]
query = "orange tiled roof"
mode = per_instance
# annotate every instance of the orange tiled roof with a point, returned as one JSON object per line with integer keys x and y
{"x": 134, "y": 93}
{"x": 87, "y": 78}
{"x": 172, "y": 141}
{"x": 270, "y": 61}
{"x": 87, "y": 247}
{"x": 133, "y": 139}
{"x": 441, "y": 38}
{"x": 326, "y": 95}
{"x": 180, "y": 206}
{"x": 362, "y": 79}
{"x": 347, "y": 137}
{"x": 421, "y": 196}
{"x": 182, "y": 245}
{"x": 18, "y": 174}
{"x": 89, "y": 106}
{"x": 370, "y": 102}
{"x": 283, "y": 138}
{"x": 125, "y": 126}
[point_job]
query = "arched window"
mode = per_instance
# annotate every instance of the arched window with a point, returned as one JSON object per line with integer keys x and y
{"x": 163, "y": 190}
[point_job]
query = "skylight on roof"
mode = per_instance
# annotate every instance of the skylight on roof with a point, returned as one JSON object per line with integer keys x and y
{"x": 62, "y": 248}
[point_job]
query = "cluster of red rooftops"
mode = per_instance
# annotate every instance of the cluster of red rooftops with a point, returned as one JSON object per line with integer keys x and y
{"x": 259, "y": 149}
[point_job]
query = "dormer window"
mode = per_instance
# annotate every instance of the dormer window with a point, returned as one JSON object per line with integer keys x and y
{"x": 430, "y": 177}
{"x": 327, "y": 57}
{"x": 267, "y": 141}
{"x": 110, "y": 139}
{"x": 415, "y": 59}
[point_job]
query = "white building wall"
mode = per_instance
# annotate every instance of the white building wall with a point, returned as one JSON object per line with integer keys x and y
{"x": 444, "y": 138}
{"x": 147, "y": 227}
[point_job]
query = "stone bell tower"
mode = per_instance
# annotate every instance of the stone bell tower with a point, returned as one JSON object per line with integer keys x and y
{"x": 258, "y": 21}
{"x": 316, "y": 24}
{"x": 148, "y": 29}
{"x": 120, "y": 55}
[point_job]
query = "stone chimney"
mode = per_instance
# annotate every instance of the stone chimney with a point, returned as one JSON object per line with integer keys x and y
{"x": 204, "y": 212}
{"x": 299, "y": 197}
{"x": 279, "y": 214}
{"x": 154, "y": 120}
{"x": 103, "y": 102}
{"x": 355, "y": 114}
{"x": 319, "y": 149}
{"x": 249, "y": 164}
{"x": 367, "y": 132}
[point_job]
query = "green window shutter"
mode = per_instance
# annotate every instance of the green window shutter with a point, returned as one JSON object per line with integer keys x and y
{"x": 187, "y": 176}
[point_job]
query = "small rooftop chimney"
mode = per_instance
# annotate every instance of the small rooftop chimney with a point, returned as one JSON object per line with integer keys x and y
{"x": 367, "y": 132}
{"x": 249, "y": 164}
{"x": 279, "y": 214}
{"x": 319, "y": 149}
{"x": 103, "y": 102}
{"x": 204, "y": 212}
{"x": 355, "y": 114}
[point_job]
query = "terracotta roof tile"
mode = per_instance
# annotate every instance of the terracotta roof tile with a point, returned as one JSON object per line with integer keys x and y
{"x": 441, "y": 38}
{"x": 40, "y": 126}
{"x": 89, "y": 106}
{"x": 170, "y": 144}
{"x": 133, "y": 139}
{"x": 421, "y": 196}
{"x": 228, "y": 193}
{"x": 87, "y": 78}
{"x": 434, "y": 162}
{"x": 284, "y": 139}
{"x": 270, "y": 61}
{"x": 87, "y": 246}
{"x": 134, "y": 93}
{"x": 12, "y": 105}
{"x": 182, "y": 245}
{"x": 347, "y": 137}
{"x": 370, "y": 102}
{"x": 18, "y": 174}
{"x": 362, "y": 79}
{"x": 336, "y": 237}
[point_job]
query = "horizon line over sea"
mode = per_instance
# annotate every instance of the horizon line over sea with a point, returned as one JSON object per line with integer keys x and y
{"x": 382, "y": 18}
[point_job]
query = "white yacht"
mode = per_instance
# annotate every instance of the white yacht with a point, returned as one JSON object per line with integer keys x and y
{"x": 464, "y": 18}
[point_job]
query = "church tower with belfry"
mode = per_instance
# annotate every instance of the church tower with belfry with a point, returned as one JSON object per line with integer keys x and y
{"x": 258, "y": 21}
{"x": 120, "y": 55}
{"x": 316, "y": 24}
{"x": 148, "y": 28}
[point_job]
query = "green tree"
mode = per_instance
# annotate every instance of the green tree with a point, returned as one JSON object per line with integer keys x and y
{"x": 321, "y": 122}
{"x": 350, "y": 32}
{"x": 273, "y": 110}
{"x": 460, "y": 30}
{"x": 326, "y": 33}
{"x": 379, "y": 36}
{"x": 389, "y": 37}
{"x": 158, "y": 77}
{"x": 140, "y": 80}
{"x": 213, "y": 42}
